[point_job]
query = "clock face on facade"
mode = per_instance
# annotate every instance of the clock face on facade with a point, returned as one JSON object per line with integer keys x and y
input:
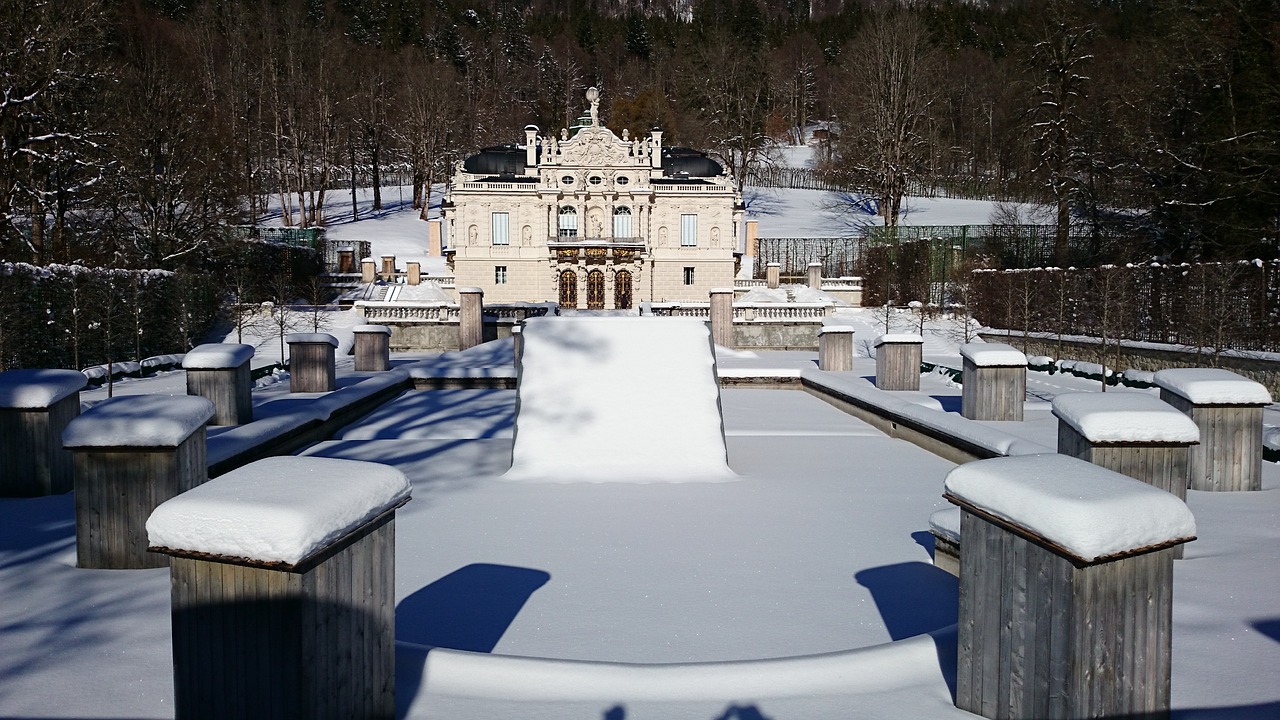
{"x": 567, "y": 180}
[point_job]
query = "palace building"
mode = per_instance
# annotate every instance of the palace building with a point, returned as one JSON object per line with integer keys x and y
{"x": 592, "y": 220}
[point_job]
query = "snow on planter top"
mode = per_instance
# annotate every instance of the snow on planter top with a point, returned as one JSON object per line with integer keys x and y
{"x": 470, "y": 291}
{"x": 379, "y": 329}
{"x": 618, "y": 399}
{"x": 835, "y": 329}
{"x": 896, "y": 338}
{"x": 945, "y": 523}
{"x": 217, "y": 356}
{"x": 1124, "y": 417}
{"x": 306, "y": 338}
{"x": 993, "y": 355}
{"x": 1087, "y": 511}
{"x": 1212, "y": 386}
{"x": 138, "y": 421}
{"x": 721, "y": 291}
{"x": 277, "y": 510}
{"x": 38, "y": 389}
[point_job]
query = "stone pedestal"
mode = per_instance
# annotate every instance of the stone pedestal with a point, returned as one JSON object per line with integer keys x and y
{"x": 372, "y": 347}
{"x": 835, "y": 348}
{"x": 1227, "y": 408}
{"x": 898, "y": 361}
{"x": 35, "y": 407}
{"x": 772, "y": 274}
{"x": 414, "y": 273}
{"x": 311, "y": 362}
{"x": 470, "y": 317}
{"x": 220, "y": 373}
{"x": 368, "y": 270}
{"x": 389, "y": 267}
{"x": 994, "y": 382}
{"x": 270, "y": 620}
{"x": 1066, "y": 589}
{"x": 722, "y": 317}
{"x": 815, "y": 275}
{"x": 131, "y": 454}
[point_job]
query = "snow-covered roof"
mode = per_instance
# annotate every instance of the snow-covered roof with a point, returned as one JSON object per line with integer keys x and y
{"x": 304, "y": 338}
{"x": 1124, "y": 417}
{"x": 277, "y": 510}
{"x": 217, "y": 356}
{"x": 142, "y": 421}
{"x": 893, "y": 338}
{"x": 945, "y": 523}
{"x": 375, "y": 329}
{"x": 36, "y": 389}
{"x": 993, "y": 355}
{"x": 1087, "y": 510}
{"x": 1212, "y": 386}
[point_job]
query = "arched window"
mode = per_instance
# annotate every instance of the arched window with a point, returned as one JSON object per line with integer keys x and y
{"x": 568, "y": 222}
{"x": 621, "y": 222}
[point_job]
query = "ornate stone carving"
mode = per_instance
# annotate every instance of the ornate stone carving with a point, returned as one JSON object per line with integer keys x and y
{"x": 594, "y": 146}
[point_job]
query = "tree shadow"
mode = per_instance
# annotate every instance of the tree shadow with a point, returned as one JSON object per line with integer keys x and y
{"x": 468, "y": 609}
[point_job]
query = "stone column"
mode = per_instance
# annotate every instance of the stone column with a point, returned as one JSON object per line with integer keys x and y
{"x": 835, "y": 348}
{"x": 470, "y": 317}
{"x": 389, "y": 267}
{"x": 275, "y": 619}
{"x": 125, "y": 467}
{"x": 772, "y": 273}
{"x": 368, "y": 270}
{"x": 415, "y": 273}
{"x": 722, "y": 317}
{"x": 1066, "y": 589}
{"x": 35, "y": 407}
{"x": 815, "y": 275}
{"x": 435, "y": 244}
{"x": 220, "y": 373}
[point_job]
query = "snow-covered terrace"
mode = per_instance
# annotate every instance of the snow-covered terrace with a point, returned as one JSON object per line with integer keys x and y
{"x": 764, "y": 597}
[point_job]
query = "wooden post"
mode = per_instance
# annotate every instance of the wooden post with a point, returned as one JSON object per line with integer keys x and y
{"x": 368, "y": 270}
{"x": 470, "y": 317}
{"x": 1066, "y": 589}
{"x": 346, "y": 259}
{"x": 1133, "y": 434}
{"x": 35, "y": 407}
{"x": 722, "y": 317}
{"x": 772, "y": 274}
{"x": 1228, "y": 410}
{"x": 415, "y": 273}
{"x": 389, "y": 267}
{"x": 517, "y": 339}
{"x": 835, "y": 348}
{"x": 944, "y": 525}
{"x": 373, "y": 348}
{"x": 311, "y": 362}
{"x": 995, "y": 382}
{"x": 220, "y": 372}
{"x": 898, "y": 361}
{"x": 131, "y": 454}
{"x": 815, "y": 275}
{"x": 284, "y": 620}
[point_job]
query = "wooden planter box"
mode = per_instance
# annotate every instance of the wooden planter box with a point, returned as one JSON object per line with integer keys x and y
{"x": 898, "y": 362}
{"x": 721, "y": 309}
{"x": 373, "y": 348}
{"x": 220, "y": 373}
{"x": 994, "y": 382}
{"x": 35, "y": 407}
{"x": 944, "y": 525}
{"x": 270, "y": 622}
{"x": 131, "y": 454}
{"x": 1228, "y": 410}
{"x": 311, "y": 362}
{"x": 835, "y": 348}
{"x": 1072, "y": 619}
{"x": 470, "y": 317}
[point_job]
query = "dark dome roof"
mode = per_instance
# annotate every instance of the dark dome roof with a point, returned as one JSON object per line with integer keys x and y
{"x": 690, "y": 162}
{"x": 497, "y": 160}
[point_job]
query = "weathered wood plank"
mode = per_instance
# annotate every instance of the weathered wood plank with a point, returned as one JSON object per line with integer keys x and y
{"x": 311, "y": 367}
{"x": 898, "y": 366}
{"x": 34, "y": 463}
{"x": 229, "y": 389}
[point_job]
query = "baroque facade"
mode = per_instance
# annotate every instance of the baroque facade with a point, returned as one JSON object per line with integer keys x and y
{"x": 592, "y": 220}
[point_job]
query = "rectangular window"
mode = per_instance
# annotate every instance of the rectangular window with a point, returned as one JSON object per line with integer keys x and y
{"x": 688, "y": 230}
{"x": 621, "y": 225}
{"x": 500, "y": 223}
{"x": 500, "y": 275}
{"x": 688, "y": 276}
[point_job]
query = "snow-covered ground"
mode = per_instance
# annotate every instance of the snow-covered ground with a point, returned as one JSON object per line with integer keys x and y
{"x": 792, "y": 592}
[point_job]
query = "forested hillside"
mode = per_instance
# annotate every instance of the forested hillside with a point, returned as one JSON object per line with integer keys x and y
{"x": 131, "y": 131}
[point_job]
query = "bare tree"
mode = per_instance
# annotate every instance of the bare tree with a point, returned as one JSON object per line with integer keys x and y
{"x": 888, "y": 78}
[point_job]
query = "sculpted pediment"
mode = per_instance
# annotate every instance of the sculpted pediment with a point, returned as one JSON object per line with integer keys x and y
{"x": 595, "y": 146}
